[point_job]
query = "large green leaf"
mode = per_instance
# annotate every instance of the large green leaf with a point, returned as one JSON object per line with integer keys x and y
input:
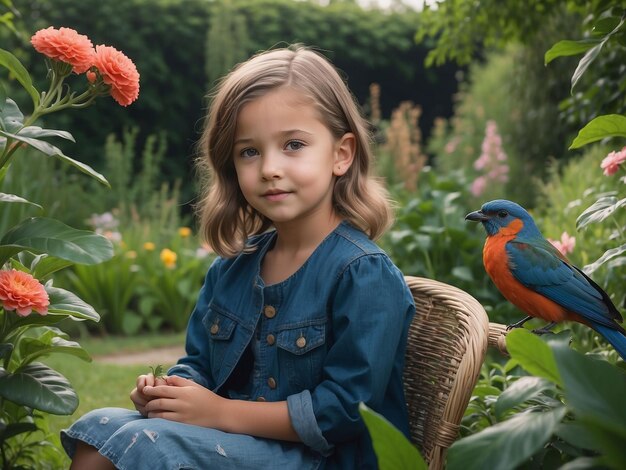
{"x": 505, "y": 445}
{"x": 607, "y": 125}
{"x": 52, "y": 151}
{"x": 568, "y": 48}
{"x": 520, "y": 391}
{"x": 65, "y": 302}
{"x": 40, "y": 387}
{"x": 594, "y": 389}
{"x": 12, "y": 198}
{"x": 20, "y": 73}
{"x": 533, "y": 354}
{"x": 43, "y": 235}
{"x": 393, "y": 450}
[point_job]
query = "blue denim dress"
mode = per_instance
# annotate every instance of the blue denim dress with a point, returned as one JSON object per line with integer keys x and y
{"x": 330, "y": 336}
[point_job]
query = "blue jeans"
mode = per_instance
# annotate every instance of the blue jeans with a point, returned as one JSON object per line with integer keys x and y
{"x": 133, "y": 442}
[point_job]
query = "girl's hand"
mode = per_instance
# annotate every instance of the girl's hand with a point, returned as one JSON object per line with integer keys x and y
{"x": 184, "y": 401}
{"x": 137, "y": 395}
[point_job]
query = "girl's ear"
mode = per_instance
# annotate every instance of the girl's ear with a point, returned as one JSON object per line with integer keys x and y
{"x": 345, "y": 150}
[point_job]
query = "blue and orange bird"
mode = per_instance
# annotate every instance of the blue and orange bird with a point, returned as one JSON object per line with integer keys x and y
{"x": 535, "y": 277}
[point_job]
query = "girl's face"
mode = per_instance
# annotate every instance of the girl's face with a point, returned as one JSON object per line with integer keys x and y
{"x": 287, "y": 160}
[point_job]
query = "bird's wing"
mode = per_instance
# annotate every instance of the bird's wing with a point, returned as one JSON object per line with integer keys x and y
{"x": 540, "y": 267}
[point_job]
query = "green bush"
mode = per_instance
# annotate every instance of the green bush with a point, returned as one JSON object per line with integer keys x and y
{"x": 432, "y": 239}
{"x": 172, "y": 56}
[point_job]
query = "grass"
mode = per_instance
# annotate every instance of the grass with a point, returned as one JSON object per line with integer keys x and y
{"x": 100, "y": 384}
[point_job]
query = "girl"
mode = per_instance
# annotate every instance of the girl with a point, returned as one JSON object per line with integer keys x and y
{"x": 302, "y": 316}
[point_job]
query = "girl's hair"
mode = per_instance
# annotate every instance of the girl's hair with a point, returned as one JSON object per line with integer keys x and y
{"x": 226, "y": 219}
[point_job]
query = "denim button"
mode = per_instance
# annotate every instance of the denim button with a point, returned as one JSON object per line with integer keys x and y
{"x": 271, "y": 382}
{"x": 271, "y": 339}
{"x": 269, "y": 311}
{"x": 260, "y": 399}
{"x": 215, "y": 328}
{"x": 301, "y": 342}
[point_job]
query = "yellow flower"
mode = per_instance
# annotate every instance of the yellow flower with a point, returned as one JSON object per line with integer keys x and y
{"x": 169, "y": 258}
{"x": 184, "y": 232}
{"x": 149, "y": 246}
{"x": 131, "y": 254}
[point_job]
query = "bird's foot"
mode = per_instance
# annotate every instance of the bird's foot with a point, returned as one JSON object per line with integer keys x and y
{"x": 545, "y": 330}
{"x": 518, "y": 324}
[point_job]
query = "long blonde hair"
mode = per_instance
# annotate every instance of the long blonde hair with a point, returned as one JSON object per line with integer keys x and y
{"x": 226, "y": 219}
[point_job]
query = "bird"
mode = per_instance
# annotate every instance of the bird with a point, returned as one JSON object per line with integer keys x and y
{"x": 538, "y": 279}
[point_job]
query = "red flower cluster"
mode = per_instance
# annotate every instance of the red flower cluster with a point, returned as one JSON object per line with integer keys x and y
{"x": 23, "y": 293}
{"x": 115, "y": 69}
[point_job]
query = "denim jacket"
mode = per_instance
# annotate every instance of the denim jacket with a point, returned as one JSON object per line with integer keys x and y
{"x": 330, "y": 336}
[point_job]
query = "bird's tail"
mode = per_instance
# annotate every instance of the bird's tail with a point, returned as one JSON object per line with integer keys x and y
{"x": 615, "y": 337}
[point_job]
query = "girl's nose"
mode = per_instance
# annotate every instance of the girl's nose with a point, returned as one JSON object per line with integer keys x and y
{"x": 271, "y": 167}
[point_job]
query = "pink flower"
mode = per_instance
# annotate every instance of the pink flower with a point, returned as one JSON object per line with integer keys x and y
{"x": 119, "y": 72}
{"x": 65, "y": 45}
{"x": 478, "y": 186}
{"x": 451, "y": 145}
{"x": 612, "y": 161}
{"x": 23, "y": 293}
{"x": 566, "y": 245}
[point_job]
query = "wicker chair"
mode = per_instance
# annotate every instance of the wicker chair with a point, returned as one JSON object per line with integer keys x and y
{"x": 446, "y": 347}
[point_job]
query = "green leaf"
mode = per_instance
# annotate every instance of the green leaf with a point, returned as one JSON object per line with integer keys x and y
{"x": 84, "y": 168}
{"x": 600, "y": 210}
{"x": 20, "y": 73}
{"x": 505, "y": 445}
{"x": 50, "y": 150}
{"x": 463, "y": 272}
{"x": 393, "y": 450}
{"x": 607, "y": 125}
{"x": 48, "y": 265}
{"x": 15, "y": 429}
{"x": 576, "y": 434}
{"x": 11, "y": 118}
{"x": 607, "y": 256}
{"x": 533, "y": 354}
{"x": 43, "y": 235}
{"x": 12, "y": 198}
{"x": 40, "y": 387}
{"x": 520, "y": 391}
{"x": 568, "y": 48}
{"x": 3, "y": 95}
{"x": 67, "y": 303}
{"x": 39, "y": 133}
{"x": 591, "y": 55}
{"x": 33, "y": 348}
{"x": 594, "y": 389}
{"x": 605, "y": 25}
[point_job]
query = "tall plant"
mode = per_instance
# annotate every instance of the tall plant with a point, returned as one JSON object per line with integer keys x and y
{"x": 34, "y": 248}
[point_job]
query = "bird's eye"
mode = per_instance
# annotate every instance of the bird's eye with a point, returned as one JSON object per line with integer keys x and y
{"x": 503, "y": 214}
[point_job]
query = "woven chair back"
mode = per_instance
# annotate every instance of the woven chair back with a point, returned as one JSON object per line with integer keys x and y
{"x": 446, "y": 347}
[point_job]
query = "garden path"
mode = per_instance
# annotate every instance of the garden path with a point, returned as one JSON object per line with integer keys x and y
{"x": 166, "y": 356}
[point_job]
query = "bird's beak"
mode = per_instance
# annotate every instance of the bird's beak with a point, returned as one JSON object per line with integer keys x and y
{"x": 477, "y": 216}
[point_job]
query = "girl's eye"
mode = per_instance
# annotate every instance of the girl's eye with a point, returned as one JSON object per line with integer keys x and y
{"x": 247, "y": 153}
{"x": 293, "y": 145}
